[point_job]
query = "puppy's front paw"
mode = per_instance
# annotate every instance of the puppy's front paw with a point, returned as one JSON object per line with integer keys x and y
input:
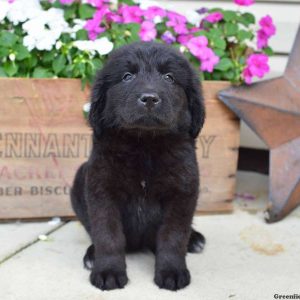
{"x": 108, "y": 279}
{"x": 172, "y": 279}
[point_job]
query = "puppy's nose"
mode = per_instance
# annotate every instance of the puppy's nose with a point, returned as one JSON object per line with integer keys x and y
{"x": 149, "y": 100}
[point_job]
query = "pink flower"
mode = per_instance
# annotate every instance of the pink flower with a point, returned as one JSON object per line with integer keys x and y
{"x": 97, "y": 3}
{"x": 244, "y": 2}
{"x": 267, "y": 25}
{"x": 209, "y": 63}
{"x": 183, "y": 39}
{"x": 257, "y": 65}
{"x": 247, "y": 75}
{"x": 131, "y": 14}
{"x": 113, "y": 17}
{"x": 93, "y": 26}
{"x": 267, "y": 29}
{"x": 148, "y": 31}
{"x": 177, "y": 22}
{"x": 196, "y": 45}
{"x": 194, "y": 29}
{"x": 214, "y": 17}
{"x": 154, "y": 11}
{"x": 262, "y": 39}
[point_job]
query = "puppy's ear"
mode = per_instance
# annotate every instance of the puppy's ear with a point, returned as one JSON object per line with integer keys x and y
{"x": 98, "y": 99}
{"x": 196, "y": 105}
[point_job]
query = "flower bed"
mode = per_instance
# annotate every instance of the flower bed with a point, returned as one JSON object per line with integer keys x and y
{"x": 68, "y": 38}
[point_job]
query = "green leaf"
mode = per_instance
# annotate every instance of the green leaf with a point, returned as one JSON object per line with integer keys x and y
{"x": 134, "y": 29}
{"x": 231, "y": 29}
{"x": 3, "y": 52}
{"x": 128, "y": 2}
{"x": 10, "y": 68}
{"x": 21, "y": 52}
{"x": 7, "y": 39}
{"x": 229, "y": 15}
{"x": 229, "y": 75}
{"x": 224, "y": 64}
{"x": 59, "y": 63}
{"x": 215, "y": 32}
{"x": 219, "y": 43}
{"x": 219, "y": 52}
{"x": 86, "y": 11}
{"x": 32, "y": 61}
{"x": 268, "y": 51}
{"x": 41, "y": 73}
{"x": 246, "y": 19}
{"x": 97, "y": 63}
{"x": 65, "y": 38}
{"x": 217, "y": 75}
{"x": 69, "y": 12}
{"x": 2, "y": 72}
{"x": 244, "y": 35}
{"x": 48, "y": 56}
{"x": 81, "y": 35}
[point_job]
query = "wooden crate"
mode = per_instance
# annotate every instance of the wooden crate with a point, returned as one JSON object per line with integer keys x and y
{"x": 217, "y": 152}
{"x": 44, "y": 138}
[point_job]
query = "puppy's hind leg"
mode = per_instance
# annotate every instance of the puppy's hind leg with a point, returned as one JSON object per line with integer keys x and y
{"x": 80, "y": 207}
{"x": 78, "y": 198}
{"x": 196, "y": 242}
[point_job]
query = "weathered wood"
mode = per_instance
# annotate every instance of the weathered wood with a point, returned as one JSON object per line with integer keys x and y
{"x": 272, "y": 109}
{"x": 217, "y": 152}
{"x": 44, "y": 138}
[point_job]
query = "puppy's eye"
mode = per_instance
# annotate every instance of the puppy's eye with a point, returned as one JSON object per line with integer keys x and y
{"x": 128, "y": 76}
{"x": 168, "y": 77}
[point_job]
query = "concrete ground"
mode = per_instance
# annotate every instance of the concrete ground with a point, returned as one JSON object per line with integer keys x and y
{"x": 245, "y": 258}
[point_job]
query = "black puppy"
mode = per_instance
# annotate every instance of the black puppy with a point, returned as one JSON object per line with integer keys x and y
{"x": 140, "y": 185}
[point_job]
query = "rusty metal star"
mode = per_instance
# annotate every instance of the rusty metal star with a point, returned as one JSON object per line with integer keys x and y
{"x": 272, "y": 109}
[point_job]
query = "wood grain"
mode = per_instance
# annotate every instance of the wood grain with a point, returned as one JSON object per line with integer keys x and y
{"x": 44, "y": 138}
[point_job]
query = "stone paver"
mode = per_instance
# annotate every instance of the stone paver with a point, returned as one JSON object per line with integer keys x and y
{"x": 15, "y": 236}
{"x": 244, "y": 259}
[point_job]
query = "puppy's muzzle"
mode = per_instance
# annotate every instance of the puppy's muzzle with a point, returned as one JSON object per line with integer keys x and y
{"x": 149, "y": 100}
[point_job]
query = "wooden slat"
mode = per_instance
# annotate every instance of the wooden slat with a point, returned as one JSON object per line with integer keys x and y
{"x": 217, "y": 152}
{"x": 43, "y": 139}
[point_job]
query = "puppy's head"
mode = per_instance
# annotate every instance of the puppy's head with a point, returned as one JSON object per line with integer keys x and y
{"x": 147, "y": 86}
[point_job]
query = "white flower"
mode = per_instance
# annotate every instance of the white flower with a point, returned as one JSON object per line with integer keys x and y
{"x": 58, "y": 45}
{"x": 182, "y": 49}
{"x": 193, "y": 17}
{"x": 103, "y": 45}
{"x": 45, "y": 29}
{"x": 4, "y": 8}
{"x": 78, "y": 25}
{"x": 250, "y": 44}
{"x": 232, "y": 39}
{"x": 22, "y": 10}
{"x": 84, "y": 45}
{"x": 144, "y": 4}
{"x": 157, "y": 19}
{"x": 87, "y": 107}
{"x": 12, "y": 57}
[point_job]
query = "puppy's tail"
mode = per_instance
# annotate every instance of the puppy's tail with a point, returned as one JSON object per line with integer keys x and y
{"x": 196, "y": 243}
